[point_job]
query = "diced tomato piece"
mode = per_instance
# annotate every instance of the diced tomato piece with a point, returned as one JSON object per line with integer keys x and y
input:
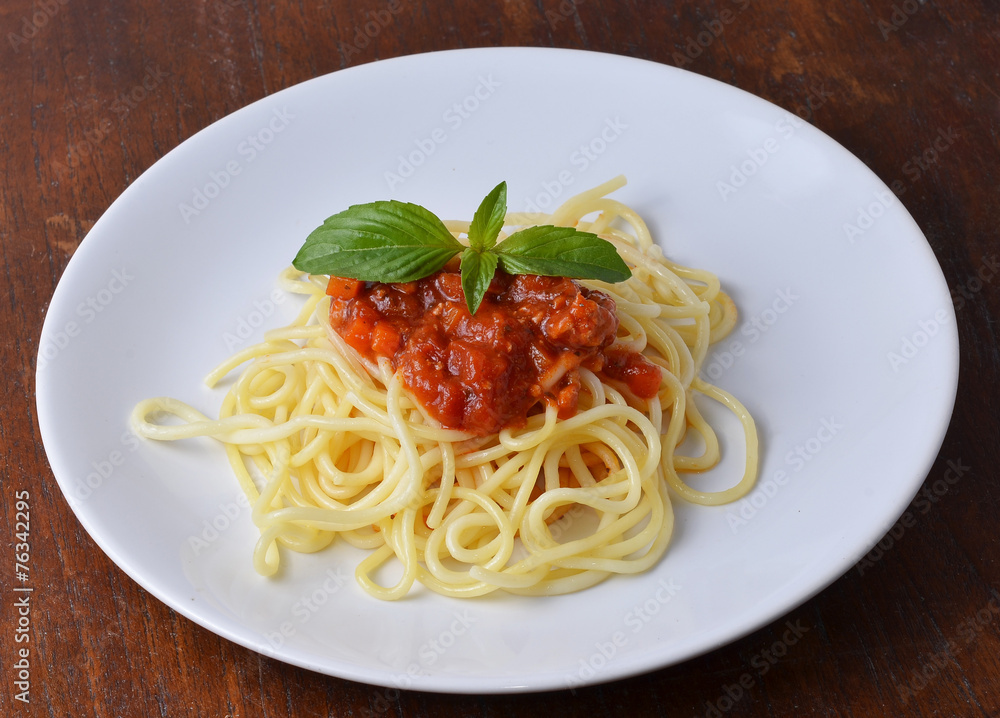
{"x": 386, "y": 340}
{"x": 449, "y": 404}
{"x": 359, "y": 331}
{"x": 450, "y": 286}
{"x": 343, "y": 288}
{"x": 646, "y": 379}
{"x": 467, "y": 361}
{"x": 451, "y": 315}
{"x": 642, "y": 376}
{"x": 567, "y": 399}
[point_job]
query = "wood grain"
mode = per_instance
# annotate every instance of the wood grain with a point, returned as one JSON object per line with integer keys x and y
{"x": 93, "y": 93}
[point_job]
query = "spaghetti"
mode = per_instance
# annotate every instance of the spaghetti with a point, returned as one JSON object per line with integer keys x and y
{"x": 327, "y": 443}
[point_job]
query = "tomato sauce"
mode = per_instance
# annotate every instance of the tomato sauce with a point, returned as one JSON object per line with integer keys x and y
{"x": 480, "y": 373}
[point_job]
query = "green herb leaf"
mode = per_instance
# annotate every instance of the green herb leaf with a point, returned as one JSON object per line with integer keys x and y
{"x": 392, "y": 241}
{"x": 386, "y": 241}
{"x": 488, "y": 220}
{"x": 561, "y": 252}
{"x": 478, "y": 269}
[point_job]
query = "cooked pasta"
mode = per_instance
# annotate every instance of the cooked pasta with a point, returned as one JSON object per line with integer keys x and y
{"x": 329, "y": 445}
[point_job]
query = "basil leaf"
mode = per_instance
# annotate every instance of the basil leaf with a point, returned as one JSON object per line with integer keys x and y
{"x": 391, "y": 241}
{"x": 385, "y": 241}
{"x": 488, "y": 220}
{"x": 478, "y": 269}
{"x": 561, "y": 251}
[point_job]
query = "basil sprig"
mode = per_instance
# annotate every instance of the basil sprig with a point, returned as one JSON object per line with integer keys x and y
{"x": 390, "y": 241}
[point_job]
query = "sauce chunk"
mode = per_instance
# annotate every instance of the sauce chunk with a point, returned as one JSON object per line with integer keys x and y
{"x": 484, "y": 372}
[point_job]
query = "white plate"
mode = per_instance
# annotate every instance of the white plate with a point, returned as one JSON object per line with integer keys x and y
{"x": 847, "y": 352}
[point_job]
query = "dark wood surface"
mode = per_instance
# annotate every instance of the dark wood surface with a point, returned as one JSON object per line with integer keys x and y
{"x": 915, "y": 630}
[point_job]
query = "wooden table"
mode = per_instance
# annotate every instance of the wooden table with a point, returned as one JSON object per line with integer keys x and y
{"x": 95, "y": 92}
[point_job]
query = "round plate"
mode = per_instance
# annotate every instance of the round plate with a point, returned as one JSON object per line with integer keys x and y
{"x": 846, "y": 352}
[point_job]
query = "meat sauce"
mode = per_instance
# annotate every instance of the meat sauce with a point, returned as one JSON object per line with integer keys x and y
{"x": 480, "y": 373}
